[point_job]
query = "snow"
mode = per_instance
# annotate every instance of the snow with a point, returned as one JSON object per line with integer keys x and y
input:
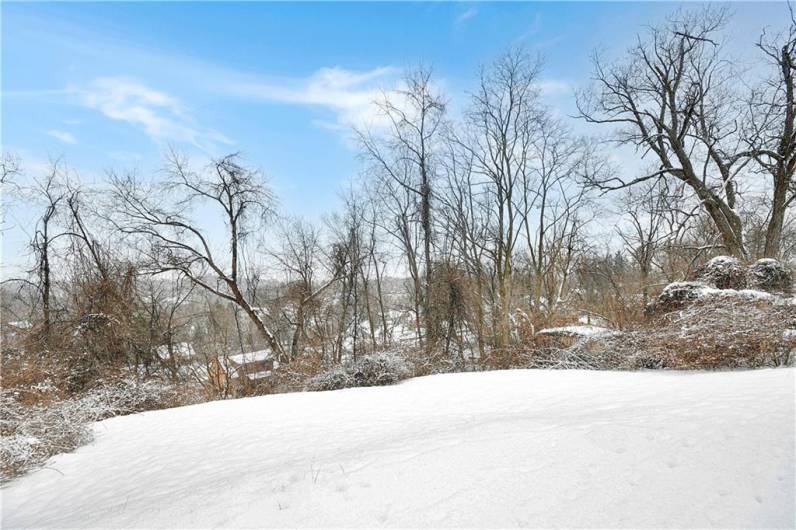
{"x": 576, "y": 331}
{"x": 702, "y": 290}
{"x": 498, "y": 449}
{"x": 748, "y": 294}
{"x": 250, "y": 357}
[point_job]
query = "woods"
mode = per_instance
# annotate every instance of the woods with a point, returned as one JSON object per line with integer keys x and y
{"x": 470, "y": 227}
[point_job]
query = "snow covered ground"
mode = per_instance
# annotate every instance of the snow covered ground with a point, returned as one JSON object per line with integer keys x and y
{"x": 499, "y": 449}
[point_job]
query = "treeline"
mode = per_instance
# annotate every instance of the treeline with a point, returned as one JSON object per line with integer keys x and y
{"x": 496, "y": 217}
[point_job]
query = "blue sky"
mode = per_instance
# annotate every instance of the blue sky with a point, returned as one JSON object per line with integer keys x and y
{"x": 110, "y": 86}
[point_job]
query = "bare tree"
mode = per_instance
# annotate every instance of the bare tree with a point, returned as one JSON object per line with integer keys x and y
{"x": 406, "y": 154}
{"x": 502, "y": 125}
{"x": 300, "y": 256}
{"x": 177, "y": 243}
{"x": 162, "y": 302}
{"x": 349, "y": 255}
{"x": 377, "y": 262}
{"x": 671, "y": 99}
{"x": 10, "y": 168}
{"x": 52, "y": 192}
{"x": 42, "y": 245}
{"x": 771, "y": 128}
{"x": 397, "y": 217}
{"x": 553, "y": 205}
{"x": 646, "y": 209}
{"x": 467, "y": 219}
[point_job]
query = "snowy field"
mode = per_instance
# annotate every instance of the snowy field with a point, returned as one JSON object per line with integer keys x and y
{"x": 501, "y": 449}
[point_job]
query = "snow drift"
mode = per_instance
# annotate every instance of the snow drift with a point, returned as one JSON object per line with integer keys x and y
{"x": 498, "y": 449}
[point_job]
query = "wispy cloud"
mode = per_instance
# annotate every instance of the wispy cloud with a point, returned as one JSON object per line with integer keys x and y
{"x": 161, "y": 116}
{"x": 349, "y": 94}
{"x": 63, "y": 136}
{"x": 467, "y": 15}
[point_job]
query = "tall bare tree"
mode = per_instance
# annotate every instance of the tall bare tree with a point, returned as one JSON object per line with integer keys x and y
{"x": 553, "y": 205}
{"x": 672, "y": 100}
{"x": 502, "y": 124}
{"x": 300, "y": 256}
{"x": 52, "y": 191}
{"x": 771, "y": 128}
{"x": 397, "y": 217}
{"x": 406, "y": 154}
{"x": 177, "y": 243}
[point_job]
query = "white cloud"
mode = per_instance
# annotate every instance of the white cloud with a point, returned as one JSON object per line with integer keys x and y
{"x": 349, "y": 94}
{"x": 467, "y": 15}
{"x": 161, "y": 116}
{"x": 63, "y": 136}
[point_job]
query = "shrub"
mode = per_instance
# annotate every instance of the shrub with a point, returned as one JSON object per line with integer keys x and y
{"x": 376, "y": 369}
{"x": 675, "y": 295}
{"x": 728, "y": 329}
{"x": 333, "y": 379}
{"x": 380, "y": 369}
{"x": 587, "y": 353}
{"x": 31, "y": 434}
{"x": 722, "y": 272}
{"x": 437, "y": 361}
{"x": 769, "y": 275}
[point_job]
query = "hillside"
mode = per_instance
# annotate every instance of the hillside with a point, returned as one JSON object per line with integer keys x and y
{"x": 498, "y": 449}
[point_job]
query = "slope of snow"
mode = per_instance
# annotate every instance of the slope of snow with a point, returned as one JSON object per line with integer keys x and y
{"x": 499, "y": 449}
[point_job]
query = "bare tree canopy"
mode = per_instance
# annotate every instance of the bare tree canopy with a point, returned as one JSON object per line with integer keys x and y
{"x": 770, "y": 127}
{"x": 671, "y": 98}
{"x": 176, "y": 243}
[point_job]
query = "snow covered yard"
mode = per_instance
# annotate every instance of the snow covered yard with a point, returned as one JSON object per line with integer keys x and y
{"x": 498, "y": 449}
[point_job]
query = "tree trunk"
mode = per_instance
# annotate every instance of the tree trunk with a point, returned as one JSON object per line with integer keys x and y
{"x": 775, "y": 224}
{"x": 785, "y": 163}
{"x": 430, "y": 323}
